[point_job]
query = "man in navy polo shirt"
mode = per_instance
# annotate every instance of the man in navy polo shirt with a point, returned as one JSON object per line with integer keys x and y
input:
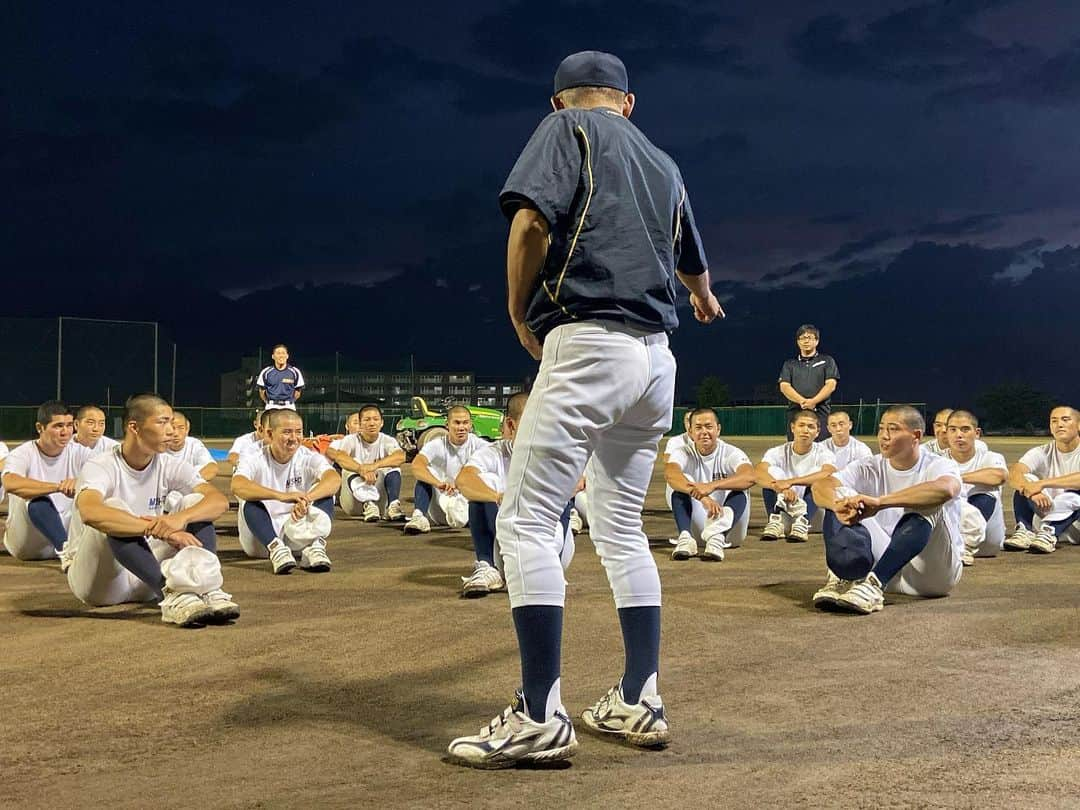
{"x": 601, "y": 230}
{"x": 808, "y": 380}
{"x": 280, "y": 384}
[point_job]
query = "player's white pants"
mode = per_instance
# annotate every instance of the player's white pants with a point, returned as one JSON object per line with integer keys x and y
{"x": 22, "y": 538}
{"x": 96, "y": 578}
{"x": 794, "y": 509}
{"x": 297, "y": 535}
{"x": 449, "y": 510}
{"x": 603, "y": 391}
{"x": 982, "y": 538}
{"x": 734, "y": 536}
{"x": 934, "y": 571}
{"x": 352, "y": 498}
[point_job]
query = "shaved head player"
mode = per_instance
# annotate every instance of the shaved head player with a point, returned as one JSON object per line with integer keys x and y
{"x": 594, "y": 304}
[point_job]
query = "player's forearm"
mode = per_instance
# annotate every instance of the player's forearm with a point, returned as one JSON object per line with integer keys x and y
{"x": 698, "y": 285}
{"x": 988, "y": 476}
{"x": 27, "y": 488}
{"x": 526, "y": 252}
{"x": 327, "y": 486}
{"x": 210, "y": 471}
{"x": 422, "y": 472}
{"x": 211, "y": 507}
{"x": 262, "y": 394}
{"x": 1016, "y": 476}
{"x": 808, "y": 480}
{"x": 824, "y": 492}
{"x": 395, "y": 459}
{"x": 762, "y": 477}
{"x": 738, "y": 482}
{"x": 342, "y": 459}
{"x": 676, "y": 478}
{"x": 247, "y": 490}
{"x": 111, "y": 521}
{"x": 296, "y": 395}
{"x": 1070, "y": 481}
{"x": 472, "y": 486}
{"x": 921, "y": 496}
{"x": 790, "y": 394}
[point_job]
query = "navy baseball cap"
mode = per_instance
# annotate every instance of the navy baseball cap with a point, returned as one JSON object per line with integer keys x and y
{"x": 591, "y": 69}
{"x": 850, "y": 554}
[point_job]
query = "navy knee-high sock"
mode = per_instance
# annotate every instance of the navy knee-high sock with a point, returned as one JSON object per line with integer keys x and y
{"x": 326, "y": 505}
{"x": 204, "y": 530}
{"x": 909, "y": 538}
{"x": 1060, "y": 526}
{"x": 641, "y": 642}
{"x": 770, "y": 497}
{"x": 258, "y": 520}
{"x": 422, "y": 495}
{"x": 135, "y": 555}
{"x": 564, "y": 518}
{"x": 984, "y": 503}
{"x": 482, "y": 517}
{"x": 1024, "y": 510}
{"x": 682, "y": 508}
{"x": 393, "y": 485}
{"x": 811, "y": 507}
{"x": 539, "y": 633}
{"x": 44, "y": 517}
{"x": 848, "y": 550}
{"x": 738, "y": 502}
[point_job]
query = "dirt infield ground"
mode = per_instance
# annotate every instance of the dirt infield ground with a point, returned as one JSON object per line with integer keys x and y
{"x": 342, "y": 690}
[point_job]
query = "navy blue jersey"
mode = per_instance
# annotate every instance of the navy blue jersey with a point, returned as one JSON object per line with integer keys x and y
{"x": 280, "y": 384}
{"x": 620, "y": 222}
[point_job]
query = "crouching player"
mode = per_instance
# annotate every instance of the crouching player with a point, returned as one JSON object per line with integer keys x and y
{"x": 40, "y": 475}
{"x": 371, "y": 461}
{"x": 482, "y": 481}
{"x": 982, "y": 472}
{"x": 123, "y": 548}
{"x": 895, "y": 521}
{"x": 1047, "y": 483}
{"x": 436, "y": 467}
{"x": 786, "y": 472}
{"x": 708, "y": 479}
{"x": 286, "y": 494}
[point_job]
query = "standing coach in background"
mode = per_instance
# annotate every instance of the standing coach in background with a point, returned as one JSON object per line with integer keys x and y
{"x": 280, "y": 384}
{"x": 808, "y": 380}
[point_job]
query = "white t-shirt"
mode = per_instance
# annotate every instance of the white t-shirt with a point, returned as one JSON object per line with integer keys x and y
{"x": 932, "y": 446}
{"x": 245, "y": 444}
{"x": 1044, "y": 461}
{"x": 298, "y": 474}
{"x": 854, "y": 450}
{"x": 336, "y": 443}
{"x": 676, "y": 443}
{"x": 875, "y": 476}
{"x": 194, "y": 452}
{"x": 103, "y": 445}
{"x": 365, "y": 453}
{"x": 28, "y": 461}
{"x": 795, "y": 465}
{"x": 144, "y": 490}
{"x": 492, "y": 461}
{"x": 980, "y": 461}
{"x": 721, "y": 463}
{"x": 445, "y": 460}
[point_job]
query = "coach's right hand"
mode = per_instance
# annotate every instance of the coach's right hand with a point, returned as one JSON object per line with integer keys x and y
{"x": 706, "y": 309}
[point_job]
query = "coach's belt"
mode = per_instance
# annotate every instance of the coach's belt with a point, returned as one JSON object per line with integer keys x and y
{"x": 279, "y": 402}
{"x": 648, "y": 338}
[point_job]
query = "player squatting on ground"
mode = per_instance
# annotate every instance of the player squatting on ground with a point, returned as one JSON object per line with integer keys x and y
{"x": 286, "y": 494}
{"x": 436, "y": 499}
{"x": 707, "y": 482}
{"x": 594, "y": 305}
{"x": 371, "y": 462}
{"x": 90, "y": 429}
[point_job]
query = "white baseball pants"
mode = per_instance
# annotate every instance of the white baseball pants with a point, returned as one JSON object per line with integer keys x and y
{"x": 602, "y": 390}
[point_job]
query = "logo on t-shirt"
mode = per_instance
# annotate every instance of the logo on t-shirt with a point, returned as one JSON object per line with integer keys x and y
{"x": 294, "y": 481}
{"x": 154, "y": 503}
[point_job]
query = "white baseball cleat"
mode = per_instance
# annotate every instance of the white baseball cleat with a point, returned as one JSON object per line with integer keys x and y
{"x": 1044, "y": 541}
{"x": 417, "y": 524}
{"x": 832, "y": 590}
{"x": 865, "y": 596}
{"x": 67, "y": 557}
{"x": 714, "y": 549}
{"x": 576, "y": 523}
{"x": 484, "y": 579}
{"x": 800, "y": 530}
{"x": 184, "y": 608}
{"x": 643, "y": 723}
{"x": 314, "y": 557}
{"x": 967, "y": 559}
{"x": 394, "y": 511}
{"x": 1019, "y": 540}
{"x": 514, "y": 738}
{"x": 281, "y": 557}
{"x": 221, "y": 605}
{"x": 371, "y": 512}
{"x": 774, "y": 529}
{"x": 685, "y": 547}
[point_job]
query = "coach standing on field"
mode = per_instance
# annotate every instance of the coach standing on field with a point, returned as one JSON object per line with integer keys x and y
{"x": 280, "y": 384}
{"x": 600, "y": 228}
{"x": 809, "y": 380}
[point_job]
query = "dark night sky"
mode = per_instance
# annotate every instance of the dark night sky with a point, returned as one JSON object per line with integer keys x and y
{"x": 901, "y": 174}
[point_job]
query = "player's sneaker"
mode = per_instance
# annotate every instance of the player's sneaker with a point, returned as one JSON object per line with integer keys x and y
{"x": 774, "y": 529}
{"x": 514, "y": 738}
{"x": 1019, "y": 540}
{"x": 314, "y": 557}
{"x": 67, "y": 557}
{"x": 685, "y": 547}
{"x": 832, "y": 590}
{"x": 576, "y": 523}
{"x": 714, "y": 549}
{"x": 281, "y": 557}
{"x": 1044, "y": 541}
{"x": 417, "y": 524}
{"x": 967, "y": 559}
{"x": 800, "y": 530}
{"x": 643, "y": 723}
{"x": 394, "y": 511}
{"x": 222, "y": 607}
{"x": 864, "y": 596}
{"x": 484, "y": 579}
{"x": 184, "y": 608}
{"x": 371, "y": 512}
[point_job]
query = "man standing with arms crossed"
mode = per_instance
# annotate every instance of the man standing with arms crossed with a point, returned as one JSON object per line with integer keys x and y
{"x": 600, "y": 227}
